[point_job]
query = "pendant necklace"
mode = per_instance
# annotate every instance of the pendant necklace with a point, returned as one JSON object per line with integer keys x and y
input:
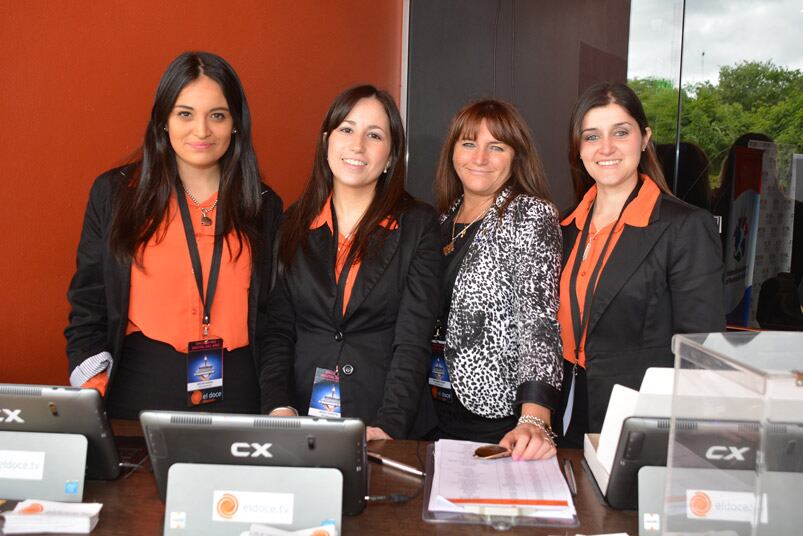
{"x": 205, "y": 219}
{"x": 448, "y": 249}
{"x": 588, "y": 243}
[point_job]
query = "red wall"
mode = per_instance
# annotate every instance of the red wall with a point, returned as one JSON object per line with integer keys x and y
{"x": 76, "y": 87}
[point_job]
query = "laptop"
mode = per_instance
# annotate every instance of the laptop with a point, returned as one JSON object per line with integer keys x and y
{"x": 229, "y": 439}
{"x": 63, "y": 410}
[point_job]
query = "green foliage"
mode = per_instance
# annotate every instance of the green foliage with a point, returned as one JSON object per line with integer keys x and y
{"x": 750, "y": 97}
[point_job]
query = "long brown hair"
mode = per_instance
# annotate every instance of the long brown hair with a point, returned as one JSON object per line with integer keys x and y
{"x": 506, "y": 125}
{"x": 390, "y": 198}
{"x": 141, "y": 204}
{"x": 597, "y": 96}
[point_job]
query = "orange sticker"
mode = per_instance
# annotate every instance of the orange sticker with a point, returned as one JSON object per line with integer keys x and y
{"x": 33, "y": 508}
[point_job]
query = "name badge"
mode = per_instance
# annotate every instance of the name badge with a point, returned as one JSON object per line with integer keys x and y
{"x": 439, "y": 384}
{"x": 204, "y": 372}
{"x": 325, "y": 398}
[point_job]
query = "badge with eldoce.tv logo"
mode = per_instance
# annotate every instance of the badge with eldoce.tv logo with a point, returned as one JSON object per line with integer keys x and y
{"x": 204, "y": 372}
{"x": 252, "y": 507}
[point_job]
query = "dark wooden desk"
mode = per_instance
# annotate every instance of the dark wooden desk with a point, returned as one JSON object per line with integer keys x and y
{"x": 132, "y": 506}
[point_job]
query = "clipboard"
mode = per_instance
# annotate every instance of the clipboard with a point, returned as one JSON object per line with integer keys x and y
{"x": 498, "y": 518}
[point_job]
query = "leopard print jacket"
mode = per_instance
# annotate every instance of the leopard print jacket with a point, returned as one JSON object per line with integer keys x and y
{"x": 503, "y": 343}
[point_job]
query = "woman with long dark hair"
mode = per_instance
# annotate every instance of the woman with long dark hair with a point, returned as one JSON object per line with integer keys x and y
{"x": 501, "y": 245}
{"x": 354, "y": 306}
{"x": 638, "y": 264}
{"x": 175, "y": 257}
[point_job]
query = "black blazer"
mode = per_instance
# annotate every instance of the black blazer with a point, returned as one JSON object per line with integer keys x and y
{"x": 100, "y": 288}
{"x": 659, "y": 280}
{"x": 382, "y": 343}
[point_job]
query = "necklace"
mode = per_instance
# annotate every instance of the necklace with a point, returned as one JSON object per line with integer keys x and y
{"x": 205, "y": 219}
{"x": 448, "y": 249}
{"x": 588, "y": 243}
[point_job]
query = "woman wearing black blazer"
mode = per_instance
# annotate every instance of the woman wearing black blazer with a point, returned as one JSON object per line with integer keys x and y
{"x": 134, "y": 304}
{"x": 355, "y": 303}
{"x": 638, "y": 264}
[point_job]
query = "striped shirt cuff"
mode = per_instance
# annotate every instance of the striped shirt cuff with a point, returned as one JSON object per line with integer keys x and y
{"x": 91, "y": 366}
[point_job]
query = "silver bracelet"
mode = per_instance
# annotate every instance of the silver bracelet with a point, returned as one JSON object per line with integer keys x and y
{"x": 539, "y": 423}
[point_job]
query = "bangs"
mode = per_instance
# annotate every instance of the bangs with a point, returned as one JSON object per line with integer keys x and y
{"x": 470, "y": 122}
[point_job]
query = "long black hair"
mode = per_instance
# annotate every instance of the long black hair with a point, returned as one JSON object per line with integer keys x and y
{"x": 390, "y": 197}
{"x": 142, "y": 203}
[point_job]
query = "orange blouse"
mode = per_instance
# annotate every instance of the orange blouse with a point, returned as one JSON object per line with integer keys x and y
{"x": 637, "y": 214}
{"x": 164, "y": 303}
{"x": 344, "y": 247}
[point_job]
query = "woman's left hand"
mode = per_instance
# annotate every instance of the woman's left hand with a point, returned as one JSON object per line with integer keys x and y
{"x": 528, "y": 442}
{"x": 373, "y": 433}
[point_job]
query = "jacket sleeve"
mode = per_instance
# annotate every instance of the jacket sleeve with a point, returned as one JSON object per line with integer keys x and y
{"x": 535, "y": 306}
{"x": 695, "y": 275}
{"x": 418, "y": 307}
{"x": 87, "y": 330}
{"x": 277, "y": 339}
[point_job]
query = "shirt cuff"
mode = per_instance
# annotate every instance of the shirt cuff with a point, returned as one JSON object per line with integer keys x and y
{"x": 90, "y": 367}
{"x": 540, "y": 393}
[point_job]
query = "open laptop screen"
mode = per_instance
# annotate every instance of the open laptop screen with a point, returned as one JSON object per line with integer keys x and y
{"x": 258, "y": 440}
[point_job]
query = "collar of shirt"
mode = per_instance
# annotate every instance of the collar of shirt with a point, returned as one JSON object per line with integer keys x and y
{"x": 637, "y": 213}
{"x": 324, "y": 217}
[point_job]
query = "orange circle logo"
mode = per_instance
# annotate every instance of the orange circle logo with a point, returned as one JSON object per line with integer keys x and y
{"x": 195, "y": 398}
{"x": 33, "y": 508}
{"x": 227, "y": 506}
{"x": 700, "y": 504}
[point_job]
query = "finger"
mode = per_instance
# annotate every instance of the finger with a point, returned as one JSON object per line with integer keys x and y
{"x": 547, "y": 449}
{"x": 508, "y": 440}
{"x": 535, "y": 447}
{"x": 522, "y": 439}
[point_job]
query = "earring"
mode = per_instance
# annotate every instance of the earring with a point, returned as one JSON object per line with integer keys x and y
{"x": 387, "y": 167}
{"x": 234, "y": 131}
{"x": 164, "y": 128}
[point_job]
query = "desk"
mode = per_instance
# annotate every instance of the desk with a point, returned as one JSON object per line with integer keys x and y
{"x": 132, "y": 505}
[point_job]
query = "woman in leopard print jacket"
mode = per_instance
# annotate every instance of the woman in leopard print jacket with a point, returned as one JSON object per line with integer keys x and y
{"x": 502, "y": 249}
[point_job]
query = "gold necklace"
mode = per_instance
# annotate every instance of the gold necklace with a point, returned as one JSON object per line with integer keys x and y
{"x": 448, "y": 249}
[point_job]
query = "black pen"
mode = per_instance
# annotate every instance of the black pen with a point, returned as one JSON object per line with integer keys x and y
{"x": 374, "y": 457}
{"x": 568, "y": 472}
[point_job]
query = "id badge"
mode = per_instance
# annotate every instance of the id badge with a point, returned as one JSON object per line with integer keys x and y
{"x": 325, "y": 398}
{"x": 204, "y": 372}
{"x": 439, "y": 384}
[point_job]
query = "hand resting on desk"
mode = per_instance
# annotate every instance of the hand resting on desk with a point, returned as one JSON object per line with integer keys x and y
{"x": 531, "y": 441}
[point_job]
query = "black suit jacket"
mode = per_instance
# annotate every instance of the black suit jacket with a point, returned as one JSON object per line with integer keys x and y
{"x": 100, "y": 288}
{"x": 382, "y": 343}
{"x": 659, "y": 280}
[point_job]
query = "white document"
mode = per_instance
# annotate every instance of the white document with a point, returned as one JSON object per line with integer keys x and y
{"x": 327, "y": 529}
{"x": 462, "y": 483}
{"x": 34, "y": 516}
{"x": 621, "y": 406}
{"x": 653, "y": 399}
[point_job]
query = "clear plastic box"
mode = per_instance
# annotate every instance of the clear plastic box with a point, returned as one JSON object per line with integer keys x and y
{"x": 735, "y": 458}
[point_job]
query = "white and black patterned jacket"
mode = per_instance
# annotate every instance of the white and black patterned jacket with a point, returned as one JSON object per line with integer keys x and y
{"x": 503, "y": 343}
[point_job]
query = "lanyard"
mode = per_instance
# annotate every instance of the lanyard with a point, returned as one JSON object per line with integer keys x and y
{"x": 195, "y": 257}
{"x": 579, "y": 324}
